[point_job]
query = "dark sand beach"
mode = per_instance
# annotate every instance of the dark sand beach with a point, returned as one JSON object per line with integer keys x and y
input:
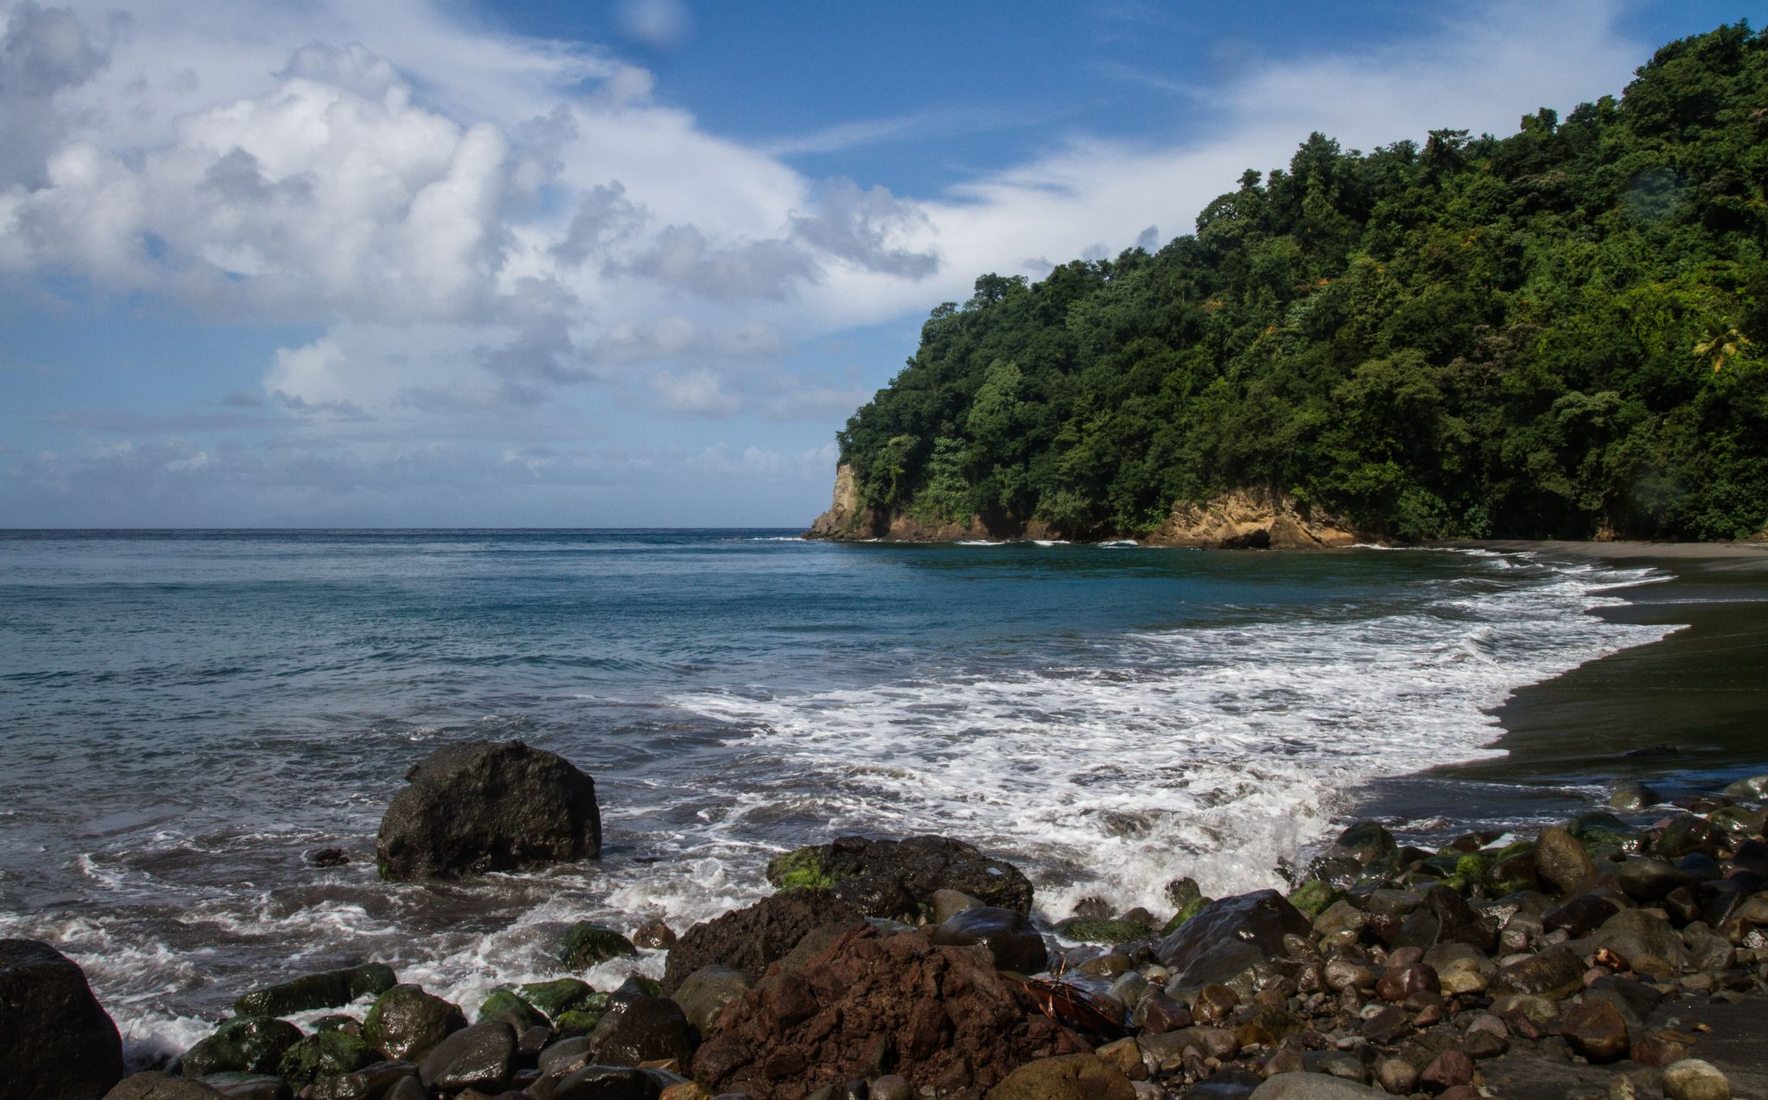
{"x": 1687, "y": 713}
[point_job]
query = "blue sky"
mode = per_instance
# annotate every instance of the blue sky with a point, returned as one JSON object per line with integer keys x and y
{"x": 521, "y": 263}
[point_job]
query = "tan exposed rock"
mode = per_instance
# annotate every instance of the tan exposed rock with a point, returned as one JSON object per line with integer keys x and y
{"x": 843, "y": 518}
{"x": 1250, "y": 518}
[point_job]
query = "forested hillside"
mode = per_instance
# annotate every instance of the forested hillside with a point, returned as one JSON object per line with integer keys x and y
{"x": 1560, "y": 333}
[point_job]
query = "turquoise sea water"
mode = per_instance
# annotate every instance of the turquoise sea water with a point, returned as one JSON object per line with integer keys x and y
{"x": 185, "y": 715}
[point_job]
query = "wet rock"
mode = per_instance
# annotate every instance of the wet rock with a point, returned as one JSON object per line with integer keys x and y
{"x": 1158, "y": 1013}
{"x": 488, "y": 806}
{"x": 749, "y": 939}
{"x": 149, "y": 1085}
{"x": 327, "y": 989}
{"x": 1633, "y": 796}
{"x": 325, "y": 1054}
{"x": 1100, "y": 930}
{"x": 705, "y": 992}
{"x": 1753, "y": 788}
{"x": 1386, "y": 1025}
{"x": 1555, "y": 972}
{"x": 328, "y": 857}
{"x": 1444, "y": 917}
{"x": 587, "y": 943}
{"x": 1227, "y": 936}
{"x": 1599, "y": 829}
{"x": 1313, "y": 897}
{"x": 643, "y": 1029}
{"x": 505, "y": 1005}
{"x": 556, "y": 996}
{"x": 1595, "y": 1029}
{"x": 1647, "y": 879}
{"x": 1367, "y": 842}
{"x": 249, "y": 1086}
{"x": 250, "y": 1044}
{"x": 948, "y": 903}
{"x": 1124, "y": 1056}
{"x": 1639, "y": 936}
{"x": 945, "y": 1016}
{"x": 1067, "y": 1077}
{"x": 479, "y": 1057}
{"x": 655, "y": 936}
{"x": 1400, "y": 983}
{"x": 1562, "y": 862}
{"x": 898, "y": 878}
{"x": 1684, "y": 835}
{"x": 1007, "y": 934}
{"x": 1694, "y": 1079}
{"x": 1581, "y": 915}
{"x": 56, "y": 1037}
{"x": 405, "y": 1022}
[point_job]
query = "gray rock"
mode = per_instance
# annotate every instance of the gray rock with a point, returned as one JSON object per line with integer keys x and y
{"x": 1633, "y": 796}
{"x": 1007, "y": 934}
{"x": 488, "y": 806}
{"x": 248, "y": 1044}
{"x": 1634, "y": 934}
{"x": 474, "y": 1057}
{"x": 1648, "y": 880}
{"x": 1230, "y": 934}
{"x": 1312, "y": 1086}
{"x": 326, "y": 989}
{"x": 406, "y": 1022}
{"x": 1694, "y": 1079}
{"x": 705, "y": 992}
{"x": 57, "y": 1039}
{"x": 1562, "y": 862}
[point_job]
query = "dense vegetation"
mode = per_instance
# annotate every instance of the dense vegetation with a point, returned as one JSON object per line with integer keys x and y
{"x": 1554, "y": 334}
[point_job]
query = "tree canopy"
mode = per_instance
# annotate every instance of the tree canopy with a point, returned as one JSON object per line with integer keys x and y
{"x": 1559, "y": 333}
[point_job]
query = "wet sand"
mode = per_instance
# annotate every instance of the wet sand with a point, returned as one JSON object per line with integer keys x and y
{"x": 1687, "y": 713}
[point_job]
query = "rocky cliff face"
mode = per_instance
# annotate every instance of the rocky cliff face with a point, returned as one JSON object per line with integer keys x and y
{"x": 1238, "y": 520}
{"x": 1250, "y": 519}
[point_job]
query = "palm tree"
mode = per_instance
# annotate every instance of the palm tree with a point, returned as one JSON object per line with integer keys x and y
{"x": 1721, "y": 347}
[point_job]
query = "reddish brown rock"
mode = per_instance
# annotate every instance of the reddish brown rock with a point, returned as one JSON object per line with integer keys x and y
{"x": 1447, "y": 1070}
{"x": 1596, "y": 1029}
{"x": 942, "y": 1017}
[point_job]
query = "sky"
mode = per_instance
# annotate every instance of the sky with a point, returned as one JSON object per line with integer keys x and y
{"x": 618, "y": 263}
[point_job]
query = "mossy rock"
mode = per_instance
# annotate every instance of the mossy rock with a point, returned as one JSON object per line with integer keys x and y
{"x": 575, "y": 1021}
{"x": 1101, "y": 930}
{"x": 1605, "y": 829}
{"x": 329, "y": 989}
{"x": 505, "y": 1005}
{"x": 1313, "y": 896}
{"x": 800, "y": 869}
{"x": 1186, "y": 912}
{"x": 326, "y": 1054}
{"x": 587, "y": 944}
{"x": 555, "y": 996}
{"x": 246, "y": 1044}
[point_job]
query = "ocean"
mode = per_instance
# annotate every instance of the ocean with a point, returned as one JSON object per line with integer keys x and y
{"x": 185, "y": 716}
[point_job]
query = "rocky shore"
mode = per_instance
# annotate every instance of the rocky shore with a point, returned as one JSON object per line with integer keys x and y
{"x": 1620, "y": 954}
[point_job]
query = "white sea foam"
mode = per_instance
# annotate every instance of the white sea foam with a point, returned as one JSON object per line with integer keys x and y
{"x": 1215, "y": 753}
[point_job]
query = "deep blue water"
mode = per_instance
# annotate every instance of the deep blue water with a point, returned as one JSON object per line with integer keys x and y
{"x": 184, "y": 715}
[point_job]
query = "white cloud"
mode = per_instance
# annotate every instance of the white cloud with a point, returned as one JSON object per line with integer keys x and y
{"x": 473, "y": 222}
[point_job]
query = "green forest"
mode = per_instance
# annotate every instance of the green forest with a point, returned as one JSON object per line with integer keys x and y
{"x": 1562, "y": 333}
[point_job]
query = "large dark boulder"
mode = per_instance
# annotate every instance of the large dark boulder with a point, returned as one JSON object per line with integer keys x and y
{"x": 1229, "y": 935}
{"x": 749, "y": 939}
{"x": 898, "y": 878}
{"x": 245, "y": 1044}
{"x": 488, "y": 806}
{"x": 643, "y": 1029}
{"x": 325, "y": 989}
{"x": 56, "y": 1043}
{"x": 1007, "y": 934}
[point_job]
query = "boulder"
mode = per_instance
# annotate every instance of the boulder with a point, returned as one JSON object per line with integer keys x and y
{"x": 406, "y": 1022}
{"x": 642, "y": 1029}
{"x": 946, "y": 1018}
{"x": 488, "y": 806}
{"x": 245, "y": 1044}
{"x": 1313, "y": 1086}
{"x": 1230, "y": 934}
{"x": 56, "y": 1037}
{"x": 327, "y": 989}
{"x": 1007, "y": 934}
{"x": 898, "y": 879}
{"x": 704, "y": 993}
{"x": 1694, "y": 1079}
{"x": 587, "y": 944}
{"x": 479, "y": 1057}
{"x": 555, "y": 997}
{"x": 749, "y": 939}
{"x": 1562, "y": 862}
{"x": 1065, "y": 1077}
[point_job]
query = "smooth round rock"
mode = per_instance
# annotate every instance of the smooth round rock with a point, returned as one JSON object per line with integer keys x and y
{"x": 1695, "y": 1079}
{"x": 405, "y": 1022}
{"x": 473, "y": 1057}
